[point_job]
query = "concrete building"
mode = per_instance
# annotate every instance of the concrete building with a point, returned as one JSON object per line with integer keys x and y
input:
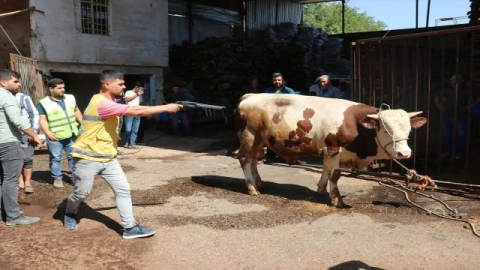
{"x": 75, "y": 40}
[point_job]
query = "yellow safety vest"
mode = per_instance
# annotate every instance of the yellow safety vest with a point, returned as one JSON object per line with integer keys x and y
{"x": 99, "y": 139}
{"x": 61, "y": 122}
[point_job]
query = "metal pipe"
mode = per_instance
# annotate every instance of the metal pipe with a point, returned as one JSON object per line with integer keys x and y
{"x": 381, "y": 73}
{"x": 442, "y": 89}
{"x": 429, "y": 90}
{"x": 417, "y": 57}
{"x": 343, "y": 17}
{"x": 424, "y": 34}
{"x": 470, "y": 94}
{"x": 428, "y": 13}
{"x": 416, "y": 14}
{"x": 359, "y": 68}
{"x": 455, "y": 113}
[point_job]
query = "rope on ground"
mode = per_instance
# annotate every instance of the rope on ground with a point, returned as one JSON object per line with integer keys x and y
{"x": 454, "y": 215}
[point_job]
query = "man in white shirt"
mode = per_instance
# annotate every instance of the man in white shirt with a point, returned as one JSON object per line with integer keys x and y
{"x": 29, "y": 113}
{"x": 133, "y": 98}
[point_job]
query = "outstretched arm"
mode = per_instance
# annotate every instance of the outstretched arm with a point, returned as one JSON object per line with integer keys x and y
{"x": 151, "y": 110}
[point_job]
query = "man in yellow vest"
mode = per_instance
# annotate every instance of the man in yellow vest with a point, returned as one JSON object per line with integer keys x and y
{"x": 59, "y": 120}
{"x": 95, "y": 152}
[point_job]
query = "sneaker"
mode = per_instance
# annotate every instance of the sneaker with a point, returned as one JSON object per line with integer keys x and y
{"x": 22, "y": 220}
{"x": 58, "y": 183}
{"x": 70, "y": 221}
{"x": 137, "y": 231}
{"x": 126, "y": 146}
{"x": 134, "y": 147}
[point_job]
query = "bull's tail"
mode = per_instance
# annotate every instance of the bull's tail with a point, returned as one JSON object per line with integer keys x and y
{"x": 236, "y": 141}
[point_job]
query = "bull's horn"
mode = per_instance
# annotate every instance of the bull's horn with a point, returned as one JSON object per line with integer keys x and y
{"x": 373, "y": 116}
{"x": 413, "y": 114}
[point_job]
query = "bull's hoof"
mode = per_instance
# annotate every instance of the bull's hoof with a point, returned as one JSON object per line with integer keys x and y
{"x": 252, "y": 190}
{"x": 337, "y": 202}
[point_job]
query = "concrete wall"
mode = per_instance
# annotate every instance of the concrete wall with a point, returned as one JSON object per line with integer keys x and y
{"x": 138, "y": 34}
{"x": 17, "y": 27}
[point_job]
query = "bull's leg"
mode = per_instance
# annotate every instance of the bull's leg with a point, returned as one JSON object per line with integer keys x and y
{"x": 333, "y": 189}
{"x": 331, "y": 161}
{"x": 256, "y": 175}
{"x": 246, "y": 156}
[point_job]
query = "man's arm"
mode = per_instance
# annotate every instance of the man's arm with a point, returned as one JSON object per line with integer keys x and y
{"x": 151, "y": 110}
{"x": 132, "y": 97}
{"x": 32, "y": 134}
{"x": 45, "y": 128}
{"x": 78, "y": 116}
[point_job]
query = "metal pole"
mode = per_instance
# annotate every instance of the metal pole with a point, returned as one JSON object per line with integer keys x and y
{"x": 455, "y": 113}
{"x": 416, "y": 14}
{"x": 428, "y": 13}
{"x": 343, "y": 17}
{"x": 429, "y": 90}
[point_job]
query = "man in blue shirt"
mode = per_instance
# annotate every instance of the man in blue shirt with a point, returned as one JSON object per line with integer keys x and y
{"x": 323, "y": 88}
{"x": 60, "y": 134}
{"x": 278, "y": 85}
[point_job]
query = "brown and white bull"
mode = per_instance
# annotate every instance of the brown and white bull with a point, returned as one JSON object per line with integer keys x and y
{"x": 344, "y": 133}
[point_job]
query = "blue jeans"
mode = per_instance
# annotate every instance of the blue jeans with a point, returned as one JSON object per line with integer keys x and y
{"x": 11, "y": 162}
{"x": 131, "y": 129}
{"x": 461, "y": 139}
{"x": 55, "y": 151}
{"x": 182, "y": 117}
{"x": 112, "y": 173}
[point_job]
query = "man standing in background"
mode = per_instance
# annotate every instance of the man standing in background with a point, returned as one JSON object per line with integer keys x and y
{"x": 11, "y": 155}
{"x": 132, "y": 123}
{"x": 323, "y": 88}
{"x": 29, "y": 113}
{"x": 59, "y": 117}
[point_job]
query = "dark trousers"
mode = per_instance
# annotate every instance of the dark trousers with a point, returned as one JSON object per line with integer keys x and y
{"x": 11, "y": 163}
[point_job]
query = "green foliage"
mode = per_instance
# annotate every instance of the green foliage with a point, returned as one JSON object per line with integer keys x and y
{"x": 328, "y": 17}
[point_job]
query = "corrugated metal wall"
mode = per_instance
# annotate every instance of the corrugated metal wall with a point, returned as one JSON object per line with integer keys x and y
{"x": 262, "y": 14}
{"x": 226, "y": 16}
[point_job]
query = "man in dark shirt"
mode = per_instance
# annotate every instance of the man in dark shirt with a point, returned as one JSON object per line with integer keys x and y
{"x": 445, "y": 102}
{"x": 179, "y": 116}
{"x": 278, "y": 85}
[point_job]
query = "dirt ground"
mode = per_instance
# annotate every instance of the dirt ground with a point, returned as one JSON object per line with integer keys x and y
{"x": 195, "y": 197}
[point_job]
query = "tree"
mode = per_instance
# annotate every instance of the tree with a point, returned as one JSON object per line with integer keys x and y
{"x": 329, "y": 18}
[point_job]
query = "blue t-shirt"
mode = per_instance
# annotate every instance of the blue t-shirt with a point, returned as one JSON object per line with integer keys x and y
{"x": 285, "y": 90}
{"x": 41, "y": 110}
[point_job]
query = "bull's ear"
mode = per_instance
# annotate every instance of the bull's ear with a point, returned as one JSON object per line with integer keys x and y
{"x": 368, "y": 123}
{"x": 417, "y": 122}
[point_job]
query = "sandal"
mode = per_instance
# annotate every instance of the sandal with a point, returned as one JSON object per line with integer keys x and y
{"x": 29, "y": 190}
{"x": 21, "y": 188}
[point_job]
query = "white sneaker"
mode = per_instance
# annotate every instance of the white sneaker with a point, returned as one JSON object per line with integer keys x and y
{"x": 58, "y": 183}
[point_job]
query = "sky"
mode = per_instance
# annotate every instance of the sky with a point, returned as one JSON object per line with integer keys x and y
{"x": 399, "y": 14}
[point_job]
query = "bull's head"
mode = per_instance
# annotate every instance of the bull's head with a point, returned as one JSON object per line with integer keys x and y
{"x": 393, "y": 128}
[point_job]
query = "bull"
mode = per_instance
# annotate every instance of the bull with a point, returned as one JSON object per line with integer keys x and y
{"x": 344, "y": 133}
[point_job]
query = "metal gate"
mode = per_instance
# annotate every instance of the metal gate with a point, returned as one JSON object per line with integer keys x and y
{"x": 32, "y": 82}
{"x": 413, "y": 72}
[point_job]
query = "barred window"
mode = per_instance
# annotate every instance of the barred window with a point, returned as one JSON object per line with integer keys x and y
{"x": 95, "y": 17}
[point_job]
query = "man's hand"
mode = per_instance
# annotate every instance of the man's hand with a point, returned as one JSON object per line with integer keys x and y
{"x": 51, "y": 136}
{"x": 139, "y": 92}
{"x": 36, "y": 141}
{"x": 172, "y": 108}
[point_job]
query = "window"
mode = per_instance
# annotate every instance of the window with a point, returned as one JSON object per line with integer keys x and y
{"x": 95, "y": 17}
